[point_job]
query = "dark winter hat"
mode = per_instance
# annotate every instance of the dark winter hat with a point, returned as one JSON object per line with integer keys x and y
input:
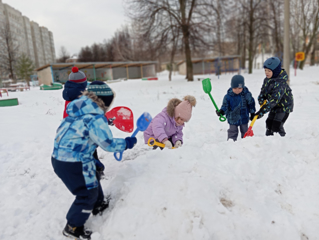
{"x": 77, "y": 76}
{"x": 274, "y": 65}
{"x": 237, "y": 81}
{"x": 103, "y": 91}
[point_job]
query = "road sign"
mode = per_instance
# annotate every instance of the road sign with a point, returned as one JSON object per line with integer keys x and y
{"x": 300, "y": 56}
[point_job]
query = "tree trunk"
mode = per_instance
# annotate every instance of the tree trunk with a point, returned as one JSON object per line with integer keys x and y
{"x": 251, "y": 39}
{"x": 189, "y": 64}
{"x": 171, "y": 66}
{"x": 243, "y": 61}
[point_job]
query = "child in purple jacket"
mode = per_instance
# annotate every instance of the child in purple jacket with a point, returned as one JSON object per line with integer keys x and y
{"x": 167, "y": 126}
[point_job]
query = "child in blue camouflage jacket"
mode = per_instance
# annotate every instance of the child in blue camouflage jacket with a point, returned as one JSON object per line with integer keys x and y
{"x": 77, "y": 137}
{"x": 238, "y": 103}
{"x": 276, "y": 91}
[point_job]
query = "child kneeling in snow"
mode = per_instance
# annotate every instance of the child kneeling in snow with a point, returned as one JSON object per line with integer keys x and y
{"x": 276, "y": 91}
{"x": 77, "y": 137}
{"x": 237, "y": 104}
{"x": 167, "y": 126}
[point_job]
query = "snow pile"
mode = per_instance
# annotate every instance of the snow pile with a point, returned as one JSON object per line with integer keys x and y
{"x": 256, "y": 188}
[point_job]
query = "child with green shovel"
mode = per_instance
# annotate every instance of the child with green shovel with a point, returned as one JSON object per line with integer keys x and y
{"x": 238, "y": 103}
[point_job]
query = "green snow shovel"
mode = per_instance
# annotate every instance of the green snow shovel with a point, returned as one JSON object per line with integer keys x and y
{"x": 207, "y": 86}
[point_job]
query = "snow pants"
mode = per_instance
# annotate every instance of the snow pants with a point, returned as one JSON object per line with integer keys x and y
{"x": 275, "y": 123}
{"x": 233, "y": 131}
{"x": 85, "y": 200}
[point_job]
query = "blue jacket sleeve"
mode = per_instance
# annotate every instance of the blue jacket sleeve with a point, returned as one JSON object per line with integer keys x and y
{"x": 250, "y": 103}
{"x": 225, "y": 105}
{"x": 101, "y": 134}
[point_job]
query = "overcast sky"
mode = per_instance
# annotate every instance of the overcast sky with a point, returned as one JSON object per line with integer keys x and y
{"x": 75, "y": 23}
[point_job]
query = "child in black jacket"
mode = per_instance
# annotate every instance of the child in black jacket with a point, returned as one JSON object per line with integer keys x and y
{"x": 278, "y": 94}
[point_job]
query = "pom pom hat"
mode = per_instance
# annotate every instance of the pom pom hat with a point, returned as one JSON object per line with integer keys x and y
{"x": 184, "y": 109}
{"x": 274, "y": 65}
{"x": 102, "y": 91}
{"x": 77, "y": 76}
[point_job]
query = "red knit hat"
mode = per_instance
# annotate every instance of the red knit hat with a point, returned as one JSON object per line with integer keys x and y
{"x": 77, "y": 76}
{"x": 184, "y": 109}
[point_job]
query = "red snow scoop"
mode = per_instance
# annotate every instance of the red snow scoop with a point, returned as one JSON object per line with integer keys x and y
{"x": 250, "y": 132}
{"x": 122, "y": 117}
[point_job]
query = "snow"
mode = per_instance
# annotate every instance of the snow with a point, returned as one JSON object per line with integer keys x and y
{"x": 256, "y": 188}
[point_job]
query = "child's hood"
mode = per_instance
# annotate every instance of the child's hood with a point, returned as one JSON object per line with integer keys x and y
{"x": 73, "y": 90}
{"x": 282, "y": 77}
{"x": 83, "y": 105}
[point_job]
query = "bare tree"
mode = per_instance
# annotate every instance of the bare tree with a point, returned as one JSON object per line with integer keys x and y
{"x": 254, "y": 25}
{"x": 85, "y": 55}
{"x": 158, "y": 18}
{"x": 63, "y": 56}
{"x": 308, "y": 21}
{"x": 9, "y": 51}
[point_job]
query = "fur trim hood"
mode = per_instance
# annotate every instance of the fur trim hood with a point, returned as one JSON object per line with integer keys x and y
{"x": 97, "y": 100}
{"x": 172, "y": 104}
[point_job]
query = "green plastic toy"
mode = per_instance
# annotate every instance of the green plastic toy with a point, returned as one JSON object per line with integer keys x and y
{"x": 207, "y": 86}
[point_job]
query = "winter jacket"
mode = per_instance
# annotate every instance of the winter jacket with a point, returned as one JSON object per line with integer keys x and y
{"x": 238, "y": 106}
{"x": 164, "y": 126}
{"x": 71, "y": 92}
{"x": 278, "y": 94}
{"x": 79, "y": 135}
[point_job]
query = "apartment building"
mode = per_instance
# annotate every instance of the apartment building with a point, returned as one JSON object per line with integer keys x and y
{"x": 33, "y": 40}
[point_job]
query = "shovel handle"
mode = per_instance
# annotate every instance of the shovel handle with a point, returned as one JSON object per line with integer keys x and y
{"x": 221, "y": 118}
{"x": 255, "y": 118}
{"x": 120, "y": 156}
{"x": 155, "y": 143}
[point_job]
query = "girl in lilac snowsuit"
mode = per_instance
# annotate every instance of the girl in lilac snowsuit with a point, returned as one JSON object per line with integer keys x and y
{"x": 167, "y": 126}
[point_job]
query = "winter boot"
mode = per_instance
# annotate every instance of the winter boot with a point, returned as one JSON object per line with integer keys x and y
{"x": 104, "y": 205}
{"x": 76, "y": 233}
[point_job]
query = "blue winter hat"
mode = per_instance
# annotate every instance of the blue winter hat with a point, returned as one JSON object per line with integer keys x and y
{"x": 274, "y": 64}
{"x": 103, "y": 91}
{"x": 237, "y": 81}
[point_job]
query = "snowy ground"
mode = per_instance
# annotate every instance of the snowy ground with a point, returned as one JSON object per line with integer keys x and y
{"x": 257, "y": 188}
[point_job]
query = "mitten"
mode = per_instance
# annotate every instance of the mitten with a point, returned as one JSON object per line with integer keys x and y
{"x": 99, "y": 169}
{"x": 220, "y": 112}
{"x": 252, "y": 115}
{"x": 110, "y": 121}
{"x": 178, "y": 144}
{"x": 130, "y": 142}
{"x": 168, "y": 144}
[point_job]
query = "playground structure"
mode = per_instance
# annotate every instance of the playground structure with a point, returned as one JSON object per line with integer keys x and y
{"x": 217, "y": 65}
{"x": 53, "y": 86}
{"x": 103, "y": 71}
{"x": 9, "y": 102}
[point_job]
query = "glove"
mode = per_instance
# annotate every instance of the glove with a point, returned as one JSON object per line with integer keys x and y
{"x": 168, "y": 144}
{"x": 220, "y": 112}
{"x": 261, "y": 99}
{"x": 130, "y": 142}
{"x": 178, "y": 144}
{"x": 110, "y": 121}
{"x": 252, "y": 115}
{"x": 261, "y": 112}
